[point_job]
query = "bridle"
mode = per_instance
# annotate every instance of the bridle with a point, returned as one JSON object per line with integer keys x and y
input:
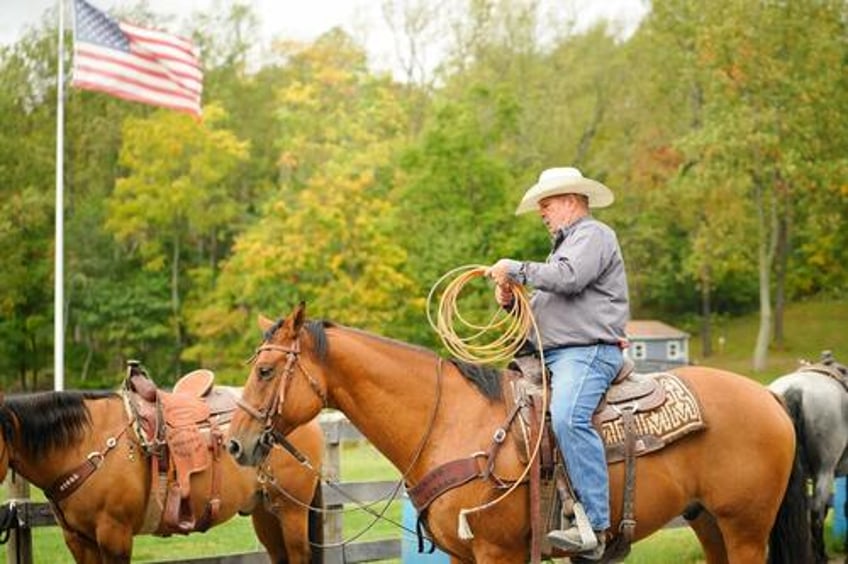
{"x": 266, "y": 414}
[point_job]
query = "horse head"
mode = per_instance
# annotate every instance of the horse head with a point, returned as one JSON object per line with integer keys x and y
{"x": 285, "y": 388}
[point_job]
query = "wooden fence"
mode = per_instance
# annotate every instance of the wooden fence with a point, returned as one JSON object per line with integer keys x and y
{"x": 337, "y": 429}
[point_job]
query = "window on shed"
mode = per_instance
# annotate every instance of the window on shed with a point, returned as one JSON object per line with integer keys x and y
{"x": 673, "y": 350}
{"x": 640, "y": 351}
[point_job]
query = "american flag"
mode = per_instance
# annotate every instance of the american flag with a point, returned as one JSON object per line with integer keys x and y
{"x": 134, "y": 63}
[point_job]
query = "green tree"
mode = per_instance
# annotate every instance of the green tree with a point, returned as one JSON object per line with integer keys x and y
{"x": 174, "y": 206}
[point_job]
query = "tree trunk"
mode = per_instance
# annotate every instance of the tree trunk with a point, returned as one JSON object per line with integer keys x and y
{"x": 764, "y": 333}
{"x": 782, "y": 260}
{"x": 767, "y": 216}
{"x": 706, "y": 314}
{"x": 175, "y": 304}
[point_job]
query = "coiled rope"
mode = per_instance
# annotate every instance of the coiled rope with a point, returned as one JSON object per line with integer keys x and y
{"x": 512, "y": 327}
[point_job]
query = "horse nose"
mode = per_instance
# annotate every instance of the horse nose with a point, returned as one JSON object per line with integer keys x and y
{"x": 234, "y": 448}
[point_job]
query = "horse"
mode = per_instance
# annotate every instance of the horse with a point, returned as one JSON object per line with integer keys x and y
{"x": 85, "y": 440}
{"x": 738, "y": 481}
{"x": 817, "y": 398}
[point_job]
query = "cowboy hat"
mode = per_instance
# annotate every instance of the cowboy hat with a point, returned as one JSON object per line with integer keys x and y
{"x": 564, "y": 180}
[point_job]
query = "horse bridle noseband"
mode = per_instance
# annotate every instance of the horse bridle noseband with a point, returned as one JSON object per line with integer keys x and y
{"x": 266, "y": 415}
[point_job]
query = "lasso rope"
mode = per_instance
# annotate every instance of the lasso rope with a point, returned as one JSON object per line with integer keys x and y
{"x": 513, "y": 327}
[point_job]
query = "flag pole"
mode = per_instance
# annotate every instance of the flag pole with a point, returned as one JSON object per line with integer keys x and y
{"x": 59, "y": 263}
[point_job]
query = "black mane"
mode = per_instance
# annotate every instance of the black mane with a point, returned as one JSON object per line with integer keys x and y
{"x": 487, "y": 379}
{"x": 47, "y": 420}
{"x": 315, "y": 328}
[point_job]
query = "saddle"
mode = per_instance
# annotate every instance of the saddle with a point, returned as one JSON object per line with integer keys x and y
{"x": 640, "y": 413}
{"x": 181, "y": 433}
{"x": 828, "y": 366}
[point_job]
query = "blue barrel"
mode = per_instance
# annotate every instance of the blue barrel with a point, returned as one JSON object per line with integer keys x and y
{"x": 409, "y": 544}
{"x": 840, "y": 523}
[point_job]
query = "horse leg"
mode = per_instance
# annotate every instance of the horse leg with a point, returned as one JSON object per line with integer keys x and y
{"x": 496, "y": 554}
{"x": 295, "y": 523}
{"x": 83, "y": 552}
{"x": 823, "y": 486}
{"x": 270, "y": 533}
{"x": 115, "y": 541}
{"x": 709, "y": 534}
{"x": 745, "y": 538}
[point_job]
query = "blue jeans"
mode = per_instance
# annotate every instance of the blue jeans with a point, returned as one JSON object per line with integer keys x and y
{"x": 579, "y": 378}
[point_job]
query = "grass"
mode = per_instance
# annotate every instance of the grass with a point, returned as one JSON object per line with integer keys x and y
{"x": 810, "y": 328}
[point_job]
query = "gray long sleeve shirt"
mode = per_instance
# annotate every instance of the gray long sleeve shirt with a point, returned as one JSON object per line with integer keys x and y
{"x": 580, "y": 293}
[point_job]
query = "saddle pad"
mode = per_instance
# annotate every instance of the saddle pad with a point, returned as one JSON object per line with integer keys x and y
{"x": 679, "y": 415}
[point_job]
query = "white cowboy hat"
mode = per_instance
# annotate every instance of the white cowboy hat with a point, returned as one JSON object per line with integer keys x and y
{"x": 564, "y": 180}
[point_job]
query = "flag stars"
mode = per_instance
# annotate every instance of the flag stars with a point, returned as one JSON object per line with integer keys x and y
{"x": 95, "y": 27}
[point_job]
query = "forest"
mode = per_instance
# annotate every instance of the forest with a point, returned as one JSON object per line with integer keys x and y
{"x": 720, "y": 126}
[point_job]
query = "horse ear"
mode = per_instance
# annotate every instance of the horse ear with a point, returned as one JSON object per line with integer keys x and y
{"x": 264, "y": 322}
{"x": 298, "y": 316}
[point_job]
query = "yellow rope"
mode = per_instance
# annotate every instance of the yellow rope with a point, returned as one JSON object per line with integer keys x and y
{"x": 513, "y": 325}
{"x": 510, "y": 327}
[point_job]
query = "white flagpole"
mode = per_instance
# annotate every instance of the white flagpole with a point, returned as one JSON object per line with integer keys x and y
{"x": 59, "y": 268}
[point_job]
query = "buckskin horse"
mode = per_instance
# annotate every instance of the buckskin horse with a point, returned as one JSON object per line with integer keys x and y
{"x": 817, "y": 398}
{"x": 737, "y": 480}
{"x": 82, "y": 450}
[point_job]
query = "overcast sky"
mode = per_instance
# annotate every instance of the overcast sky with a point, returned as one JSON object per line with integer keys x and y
{"x": 306, "y": 19}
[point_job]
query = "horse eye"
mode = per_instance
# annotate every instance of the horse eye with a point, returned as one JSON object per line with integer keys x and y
{"x": 265, "y": 372}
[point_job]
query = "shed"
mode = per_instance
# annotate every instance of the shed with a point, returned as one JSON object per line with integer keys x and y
{"x": 656, "y": 346}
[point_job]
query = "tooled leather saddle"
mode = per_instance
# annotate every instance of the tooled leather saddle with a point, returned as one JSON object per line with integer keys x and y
{"x": 180, "y": 431}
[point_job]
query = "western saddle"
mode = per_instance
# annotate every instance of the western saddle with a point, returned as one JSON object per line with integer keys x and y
{"x": 181, "y": 434}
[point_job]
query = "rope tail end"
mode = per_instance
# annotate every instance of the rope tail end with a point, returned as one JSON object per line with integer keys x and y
{"x": 464, "y": 529}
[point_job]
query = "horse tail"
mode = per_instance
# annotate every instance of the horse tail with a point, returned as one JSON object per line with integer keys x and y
{"x": 793, "y": 399}
{"x": 316, "y": 525}
{"x": 790, "y": 540}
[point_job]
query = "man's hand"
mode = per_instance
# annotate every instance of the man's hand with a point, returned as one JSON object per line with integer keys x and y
{"x": 504, "y": 295}
{"x": 499, "y": 272}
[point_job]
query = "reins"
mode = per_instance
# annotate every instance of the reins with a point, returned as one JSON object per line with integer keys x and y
{"x": 513, "y": 324}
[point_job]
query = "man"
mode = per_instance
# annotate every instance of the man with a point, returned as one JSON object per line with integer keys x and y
{"x": 580, "y": 303}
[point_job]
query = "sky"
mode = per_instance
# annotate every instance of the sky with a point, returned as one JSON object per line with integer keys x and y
{"x": 307, "y": 19}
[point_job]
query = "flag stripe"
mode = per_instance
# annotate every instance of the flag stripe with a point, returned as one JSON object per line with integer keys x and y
{"x": 147, "y": 87}
{"x": 94, "y": 56}
{"x": 163, "y": 50}
{"x": 120, "y": 91}
{"x": 144, "y": 33}
{"x": 135, "y": 63}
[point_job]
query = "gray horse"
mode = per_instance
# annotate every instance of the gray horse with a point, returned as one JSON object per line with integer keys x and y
{"x": 816, "y": 396}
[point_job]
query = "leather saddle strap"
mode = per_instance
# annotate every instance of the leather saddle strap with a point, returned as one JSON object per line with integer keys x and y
{"x": 67, "y": 483}
{"x": 441, "y": 479}
{"x": 213, "y": 506}
{"x": 628, "y": 517}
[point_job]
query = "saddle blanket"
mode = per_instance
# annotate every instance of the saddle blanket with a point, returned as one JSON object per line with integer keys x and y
{"x": 679, "y": 415}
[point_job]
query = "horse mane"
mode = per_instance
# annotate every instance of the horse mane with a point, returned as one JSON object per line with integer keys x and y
{"x": 485, "y": 378}
{"x": 47, "y": 420}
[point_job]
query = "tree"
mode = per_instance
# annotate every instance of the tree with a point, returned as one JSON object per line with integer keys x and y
{"x": 175, "y": 194}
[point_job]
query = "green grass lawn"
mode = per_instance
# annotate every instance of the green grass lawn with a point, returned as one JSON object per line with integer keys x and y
{"x": 810, "y": 328}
